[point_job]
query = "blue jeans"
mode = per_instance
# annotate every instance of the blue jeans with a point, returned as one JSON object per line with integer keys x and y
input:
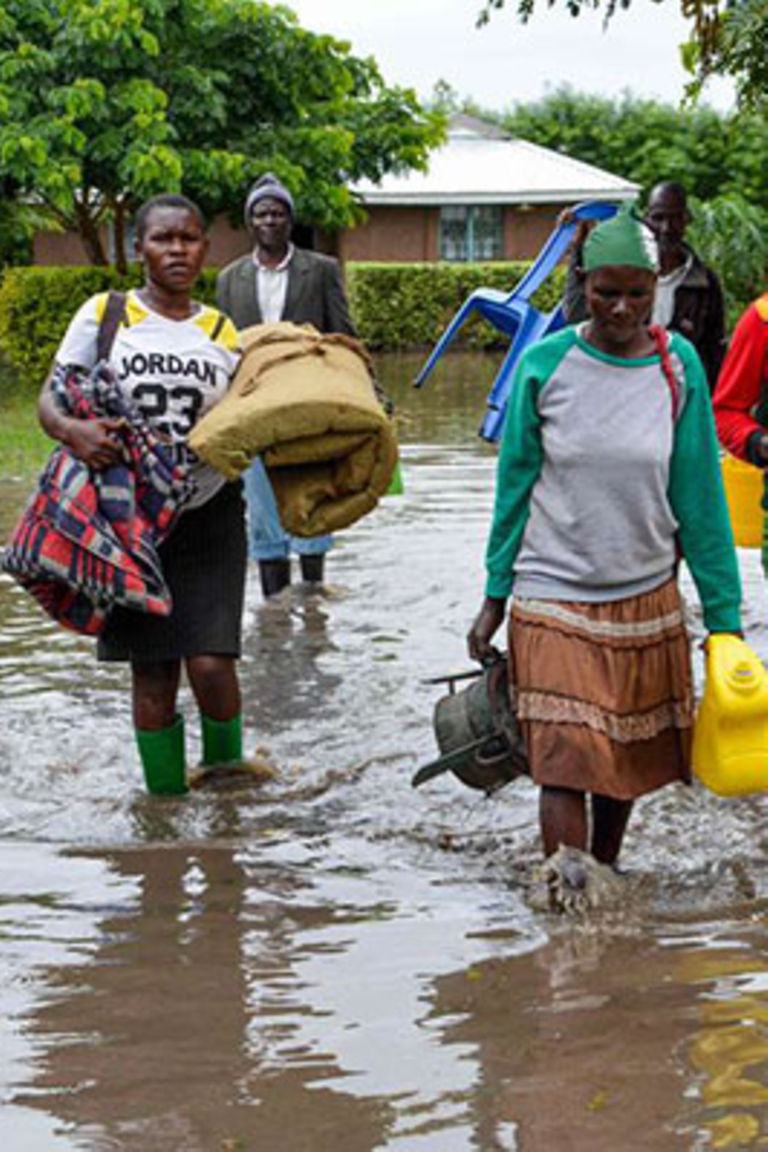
{"x": 267, "y": 539}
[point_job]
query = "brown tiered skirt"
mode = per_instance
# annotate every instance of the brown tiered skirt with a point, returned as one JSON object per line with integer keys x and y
{"x": 604, "y": 692}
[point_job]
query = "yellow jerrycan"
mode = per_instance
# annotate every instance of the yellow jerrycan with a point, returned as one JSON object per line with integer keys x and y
{"x": 730, "y": 736}
{"x": 744, "y": 493}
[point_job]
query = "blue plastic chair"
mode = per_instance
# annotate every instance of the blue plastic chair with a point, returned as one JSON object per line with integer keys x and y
{"x": 513, "y": 313}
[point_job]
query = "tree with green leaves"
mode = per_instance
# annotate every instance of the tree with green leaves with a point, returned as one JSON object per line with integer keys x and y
{"x": 106, "y": 102}
{"x": 731, "y": 235}
{"x": 18, "y": 223}
{"x": 728, "y": 38}
{"x": 710, "y": 152}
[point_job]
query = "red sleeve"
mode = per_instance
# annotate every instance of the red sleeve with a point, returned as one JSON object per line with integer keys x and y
{"x": 739, "y": 383}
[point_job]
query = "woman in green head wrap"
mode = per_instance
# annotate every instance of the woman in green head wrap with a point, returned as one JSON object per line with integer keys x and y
{"x": 608, "y": 464}
{"x": 620, "y": 267}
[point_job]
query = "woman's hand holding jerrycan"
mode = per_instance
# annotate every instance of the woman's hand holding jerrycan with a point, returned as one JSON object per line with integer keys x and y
{"x": 730, "y": 741}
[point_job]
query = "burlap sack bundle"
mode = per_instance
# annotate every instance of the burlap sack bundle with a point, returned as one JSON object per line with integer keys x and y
{"x": 305, "y": 403}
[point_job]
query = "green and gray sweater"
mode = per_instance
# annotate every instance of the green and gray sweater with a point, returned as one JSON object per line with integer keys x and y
{"x": 596, "y": 480}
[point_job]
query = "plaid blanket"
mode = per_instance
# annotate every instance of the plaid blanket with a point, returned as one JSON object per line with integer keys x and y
{"x": 87, "y": 540}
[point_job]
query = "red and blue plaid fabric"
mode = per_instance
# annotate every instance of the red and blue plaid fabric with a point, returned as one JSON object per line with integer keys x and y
{"x": 88, "y": 539}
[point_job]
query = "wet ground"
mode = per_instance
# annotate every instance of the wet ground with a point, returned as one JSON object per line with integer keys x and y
{"x": 337, "y": 962}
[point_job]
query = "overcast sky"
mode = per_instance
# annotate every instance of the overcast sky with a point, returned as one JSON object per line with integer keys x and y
{"x": 417, "y": 42}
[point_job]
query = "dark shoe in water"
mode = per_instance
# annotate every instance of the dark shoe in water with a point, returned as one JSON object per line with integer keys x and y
{"x": 274, "y": 575}
{"x": 312, "y": 568}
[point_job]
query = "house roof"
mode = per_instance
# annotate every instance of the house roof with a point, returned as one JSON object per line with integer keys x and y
{"x": 480, "y": 164}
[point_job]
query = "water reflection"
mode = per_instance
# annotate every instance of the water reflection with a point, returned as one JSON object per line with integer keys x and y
{"x": 449, "y": 407}
{"x": 187, "y": 989}
{"x": 285, "y": 679}
{"x": 570, "y": 1043}
{"x": 51, "y": 911}
{"x": 729, "y": 1050}
{"x": 210, "y": 997}
{"x": 226, "y": 997}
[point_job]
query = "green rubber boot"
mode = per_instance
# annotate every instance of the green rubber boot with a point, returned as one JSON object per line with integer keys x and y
{"x": 162, "y": 758}
{"x": 396, "y": 484}
{"x": 222, "y": 740}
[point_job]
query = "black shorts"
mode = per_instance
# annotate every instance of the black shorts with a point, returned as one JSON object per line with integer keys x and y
{"x": 204, "y": 561}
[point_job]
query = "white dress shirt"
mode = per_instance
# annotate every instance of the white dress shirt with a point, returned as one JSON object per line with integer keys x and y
{"x": 272, "y": 286}
{"x": 664, "y": 300}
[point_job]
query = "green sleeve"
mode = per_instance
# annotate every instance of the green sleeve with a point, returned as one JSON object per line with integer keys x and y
{"x": 697, "y": 497}
{"x": 520, "y": 460}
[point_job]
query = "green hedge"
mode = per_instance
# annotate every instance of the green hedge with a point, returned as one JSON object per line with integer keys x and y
{"x": 409, "y": 305}
{"x": 36, "y": 304}
{"x": 394, "y": 305}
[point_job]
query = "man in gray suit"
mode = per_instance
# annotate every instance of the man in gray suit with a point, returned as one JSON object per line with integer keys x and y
{"x": 278, "y": 281}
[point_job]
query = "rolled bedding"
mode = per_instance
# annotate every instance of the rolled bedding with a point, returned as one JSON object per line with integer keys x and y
{"x": 306, "y": 404}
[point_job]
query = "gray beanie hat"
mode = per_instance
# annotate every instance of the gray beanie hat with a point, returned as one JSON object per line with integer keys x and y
{"x": 267, "y": 187}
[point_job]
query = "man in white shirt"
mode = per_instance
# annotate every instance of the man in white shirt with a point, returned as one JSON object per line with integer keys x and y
{"x": 278, "y": 281}
{"x": 689, "y": 298}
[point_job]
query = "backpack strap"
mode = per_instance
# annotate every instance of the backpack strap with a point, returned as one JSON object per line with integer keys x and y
{"x": 112, "y": 318}
{"x": 661, "y": 340}
{"x": 221, "y": 321}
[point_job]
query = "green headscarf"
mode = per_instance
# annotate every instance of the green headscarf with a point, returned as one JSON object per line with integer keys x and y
{"x": 624, "y": 239}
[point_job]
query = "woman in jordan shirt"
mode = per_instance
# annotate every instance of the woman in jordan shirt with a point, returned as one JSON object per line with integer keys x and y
{"x": 174, "y": 358}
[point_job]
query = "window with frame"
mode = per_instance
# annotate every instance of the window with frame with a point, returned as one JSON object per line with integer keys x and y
{"x": 472, "y": 232}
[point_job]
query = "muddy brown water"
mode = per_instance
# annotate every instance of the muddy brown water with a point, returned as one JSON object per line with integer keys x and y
{"x": 336, "y": 962}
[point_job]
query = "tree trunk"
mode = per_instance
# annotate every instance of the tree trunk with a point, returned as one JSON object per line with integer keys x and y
{"x": 89, "y": 233}
{"x": 119, "y": 220}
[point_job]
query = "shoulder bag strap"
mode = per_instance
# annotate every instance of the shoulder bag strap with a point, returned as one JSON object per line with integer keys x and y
{"x": 218, "y": 326}
{"x": 114, "y": 314}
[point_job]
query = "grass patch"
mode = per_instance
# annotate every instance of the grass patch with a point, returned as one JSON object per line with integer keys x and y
{"x": 24, "y": 447}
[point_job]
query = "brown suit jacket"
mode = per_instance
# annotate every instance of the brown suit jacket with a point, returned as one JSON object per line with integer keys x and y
{"x": 315, "y": 293}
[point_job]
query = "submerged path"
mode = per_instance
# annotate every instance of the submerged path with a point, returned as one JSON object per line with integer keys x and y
{"x": 337, "y": 961}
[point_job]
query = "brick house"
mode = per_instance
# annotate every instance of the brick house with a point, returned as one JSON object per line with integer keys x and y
{"x": 486, "y": 196}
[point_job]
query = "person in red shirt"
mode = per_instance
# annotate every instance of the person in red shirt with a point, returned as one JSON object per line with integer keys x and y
{"x": 741, "y": 396}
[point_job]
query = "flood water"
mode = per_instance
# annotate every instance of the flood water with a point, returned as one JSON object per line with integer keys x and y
{"x": 337, "y": 962}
